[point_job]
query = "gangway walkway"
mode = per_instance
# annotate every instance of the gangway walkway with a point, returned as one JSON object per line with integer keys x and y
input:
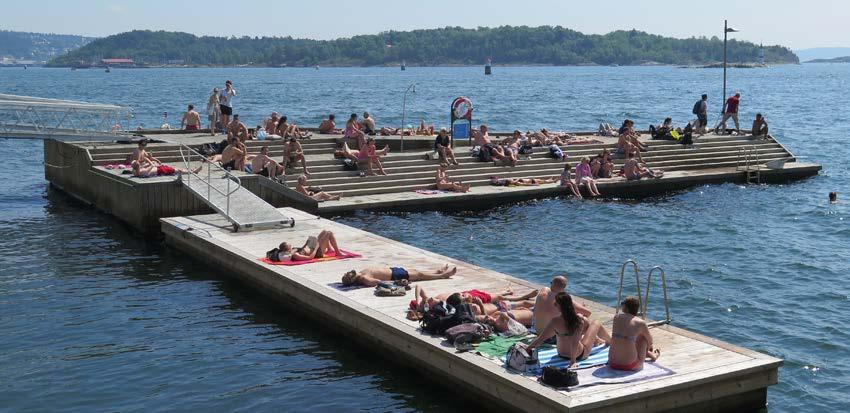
{"x": 224, "y": 193}
{"x": 41, "y": 118}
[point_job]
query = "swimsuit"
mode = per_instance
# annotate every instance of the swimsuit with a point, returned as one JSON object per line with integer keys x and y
{"x": 264, "y": 172}
{"x": 485, "y": 297}
{"x": 399, "y": 273}
{"x": 625, "y": 367}
{"x": 164, "y": 170}
{"x": 230, "y": 165}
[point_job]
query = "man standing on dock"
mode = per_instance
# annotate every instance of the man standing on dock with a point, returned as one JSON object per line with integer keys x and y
{"x": 701, "y": 110}
{"x": 191, "y": 119}
{"x": 730, "y": 110}
{"x": 226, "y": 102}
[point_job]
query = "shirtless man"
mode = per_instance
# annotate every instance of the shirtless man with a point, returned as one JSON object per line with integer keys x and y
{"x": 425, "y": 130}
{"x": 238, "y": 130}
{"x": 191, "y": 119}
{"x": 328, "y": 126}
{"x": 271, "y": 124}
{"x": 147, "y": 171}
{"x": 545, "y": 308}
{"x": 482, "y": 138}
{"x": 760, "y": 126}
{"x": 292, "y": 153}
{"x": 263, "y": 165}
{"x": 368, "y": 124}
{"x": 285, "y": 129}
{"x": 371, "y": 276}
{"x": 142, "y": 156}
{"x": 234, "y": 156}
{"x": 634, "y": 171}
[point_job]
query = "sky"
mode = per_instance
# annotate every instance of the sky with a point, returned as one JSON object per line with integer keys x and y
{"x": 796, "y": 24}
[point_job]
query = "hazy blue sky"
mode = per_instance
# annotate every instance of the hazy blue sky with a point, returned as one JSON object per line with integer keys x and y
{"x": 798, "y": 24}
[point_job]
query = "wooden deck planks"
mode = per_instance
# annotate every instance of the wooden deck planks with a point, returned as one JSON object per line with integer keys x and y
{"x": 699, "y": 362}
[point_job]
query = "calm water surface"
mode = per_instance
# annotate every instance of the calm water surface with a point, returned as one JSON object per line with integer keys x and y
{"x": 96, "y": 318}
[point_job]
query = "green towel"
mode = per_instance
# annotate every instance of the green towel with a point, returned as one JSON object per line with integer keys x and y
{"x": 497, "y": 346}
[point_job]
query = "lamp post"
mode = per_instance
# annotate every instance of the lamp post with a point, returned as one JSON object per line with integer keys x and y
{"x": 726, "y": 31}
{"x": 403, "y": 112}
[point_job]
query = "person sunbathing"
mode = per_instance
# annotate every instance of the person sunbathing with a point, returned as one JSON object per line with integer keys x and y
{"x": 496, "y": 181}
{"x": 150, "y": 170}
{"x": 444, "y": 184}
{"x": 368, "y": 155}
{"x": 235, "y": 155}
{"x": 285, "y": 130}
{"x": 514, "y": 322}
{"x": 490, "y": 300}
{"x": 585, "y": 177}
{"x": 143, "y": 156}
{"x": 567, "y": 182}
{"x": 545, "y": 307}
{"x": 315, "y": 247}
{"x": 237, "y": 129}
{"x": 510, "y": 148}
{"x": 292, "y": 153}
{"x": 575, "y": 334}
{"x": 424, "y": 130}
{"x": 328, "y": 126}
{"x": 634, "y": 171}
{"x": 263, "y": 165}
{"x": 371, "y": 276}
{"x": 271, "y": 124}
{"x": 631, "y": 341}
{"x": 601, "y": 166}
{"x": 319, "y": 196}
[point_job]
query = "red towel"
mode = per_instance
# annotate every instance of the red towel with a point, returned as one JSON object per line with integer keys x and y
{"x": 329, "y": 256}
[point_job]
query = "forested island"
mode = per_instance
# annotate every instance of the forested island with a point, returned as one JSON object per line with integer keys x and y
{"x": 506, "y": 45}
{"x": 39, "y": 47}
{"x": 842, "y": 59}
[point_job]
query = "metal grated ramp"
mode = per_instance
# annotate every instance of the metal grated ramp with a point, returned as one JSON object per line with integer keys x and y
{"x": 224, "y": 193}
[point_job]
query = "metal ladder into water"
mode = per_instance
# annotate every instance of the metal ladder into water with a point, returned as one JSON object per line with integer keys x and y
{"x": 645, "y": 301}
{"x": 224, "y": 193}
{"x": 748, "y": 161}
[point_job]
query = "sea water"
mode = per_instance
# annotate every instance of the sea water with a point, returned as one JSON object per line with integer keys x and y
{"x": 94, "y": 318}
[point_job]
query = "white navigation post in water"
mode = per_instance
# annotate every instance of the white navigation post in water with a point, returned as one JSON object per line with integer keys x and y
{"x": 488, "y": 67}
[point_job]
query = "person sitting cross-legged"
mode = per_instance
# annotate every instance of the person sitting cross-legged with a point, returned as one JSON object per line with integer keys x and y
{"x": 575, "y": 334}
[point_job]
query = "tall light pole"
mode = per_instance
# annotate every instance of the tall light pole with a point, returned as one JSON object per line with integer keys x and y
{"x": 726, "y": 31}
{"x": 403, "y": 112}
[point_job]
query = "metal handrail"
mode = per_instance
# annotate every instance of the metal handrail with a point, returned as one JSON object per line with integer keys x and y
{"x": 622, "y": 277}
{"x": 645, "y": 304}
{"x": 187, "y": 159}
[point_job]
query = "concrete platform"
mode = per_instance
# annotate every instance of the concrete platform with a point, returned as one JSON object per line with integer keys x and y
{"x": 709, "y": 375}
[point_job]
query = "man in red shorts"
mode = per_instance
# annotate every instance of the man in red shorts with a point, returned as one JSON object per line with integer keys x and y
{"x": 191, "y": 119}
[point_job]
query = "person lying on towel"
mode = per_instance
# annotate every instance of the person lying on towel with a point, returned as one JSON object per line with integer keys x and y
{"x": 371, "y": 276}
{"x": 314, "y": 247}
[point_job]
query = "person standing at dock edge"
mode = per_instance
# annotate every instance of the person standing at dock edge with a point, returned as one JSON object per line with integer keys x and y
{"x": 701, "y": 110}
{"x": 225, "y": 100}
{"x": 731, "y": 111}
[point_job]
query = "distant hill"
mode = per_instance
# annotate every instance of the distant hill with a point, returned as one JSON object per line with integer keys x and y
{"x": 842, "y": 59}
{"x": 450, "y": 45}
{"x": 822, "y": 53}
{"x": 38, "y": 46}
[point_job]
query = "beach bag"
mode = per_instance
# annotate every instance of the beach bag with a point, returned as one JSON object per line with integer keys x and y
{"x": 349, "y": 165}
{"x": 697, "y": 107}
{"x": 559, "y": 377}
{"x": 437, "y": 319}
{"x": 467, "y": 333}
{"x": 273, "y": 254}
{"x": 520, "y": 359}
{"x": 556, "y": 152}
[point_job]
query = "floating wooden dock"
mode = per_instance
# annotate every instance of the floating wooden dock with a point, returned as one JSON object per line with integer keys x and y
{"x": 78, "y": 168}
{"x": 709, "y": 375}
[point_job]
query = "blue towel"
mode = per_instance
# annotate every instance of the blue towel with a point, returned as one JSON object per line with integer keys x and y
{"x": 549, "y": 357}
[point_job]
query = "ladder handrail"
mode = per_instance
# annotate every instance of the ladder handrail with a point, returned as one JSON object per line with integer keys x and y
{"x": 645, "y": 304}
{"x": 622, "y": 278}
{"x": 187, "y": 159}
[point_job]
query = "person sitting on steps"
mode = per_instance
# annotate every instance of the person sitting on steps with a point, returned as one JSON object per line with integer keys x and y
{"x": 585, "y": 177}
{"x": 566, "y": 181}
{"x": 444, "y": 184}
{"x": 292, "y": 153}
{"x": 328, "y": 126}
{"x": 760, "y": 129}
{"x": 264, "y": 165}
{"x": 371, "y": 276}
{"x": 443, "y": 146}
{"x": 319, "y": 196}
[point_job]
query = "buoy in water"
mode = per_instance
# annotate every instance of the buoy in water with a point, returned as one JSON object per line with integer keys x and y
{"x": 487, "y": 68}
{"x": 403, "y": 66}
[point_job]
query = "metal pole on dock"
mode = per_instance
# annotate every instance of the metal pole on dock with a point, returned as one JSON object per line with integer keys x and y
{"x": 726, "y": 31}
{"x": 403, "y": 110}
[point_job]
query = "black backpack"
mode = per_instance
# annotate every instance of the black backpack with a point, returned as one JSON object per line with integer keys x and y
{"x": 697, "y": 107}
{"x": 349, "y": 165}
{"x": 437, "y": 319}
{"x": 484, "y": 154}
{"x": 559, "y": 377}
{"x": 272, "y": 254}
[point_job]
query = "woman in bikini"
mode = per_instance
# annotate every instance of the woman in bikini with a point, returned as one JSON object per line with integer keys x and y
{"x": 444, "y": 184}
{"x": 575, "y": 334}
{"x": 631, "y": 341}
{"x": 314, "y": 247}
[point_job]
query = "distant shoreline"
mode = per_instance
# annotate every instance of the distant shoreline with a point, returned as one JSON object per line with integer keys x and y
{"x": 684, "y": 66}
